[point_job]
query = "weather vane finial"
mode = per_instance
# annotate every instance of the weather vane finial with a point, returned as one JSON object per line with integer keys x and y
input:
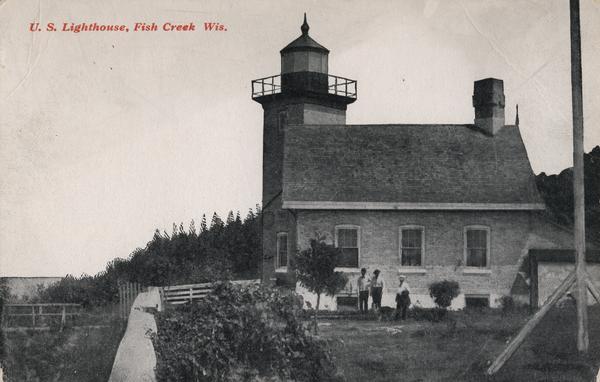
{"x": 517, "y": 117}
{"x": 304, "y": 28}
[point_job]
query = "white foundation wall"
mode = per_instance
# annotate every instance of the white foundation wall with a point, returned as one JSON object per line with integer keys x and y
{"x": 388, "y": 299}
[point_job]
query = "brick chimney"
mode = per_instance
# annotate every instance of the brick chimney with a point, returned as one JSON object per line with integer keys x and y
{"x": 488, "y": 100}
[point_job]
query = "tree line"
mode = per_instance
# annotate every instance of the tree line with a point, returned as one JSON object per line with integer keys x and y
{"x": 219, "y": 250}
{"x": 557, "y": 191}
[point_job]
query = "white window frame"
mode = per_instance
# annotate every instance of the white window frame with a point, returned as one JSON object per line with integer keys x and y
{"x": 408, "y": 268}
{"x": 358, "y": 234}
{"x": 488, "y": 254}
{"x": 279, "y": 267}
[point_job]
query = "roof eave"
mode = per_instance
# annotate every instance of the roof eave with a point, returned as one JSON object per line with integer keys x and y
{"x": 304, "y": 48}
{"x": 329, "y": 205}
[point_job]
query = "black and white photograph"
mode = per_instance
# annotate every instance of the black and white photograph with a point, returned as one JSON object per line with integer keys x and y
{"x": 273, "y": 191}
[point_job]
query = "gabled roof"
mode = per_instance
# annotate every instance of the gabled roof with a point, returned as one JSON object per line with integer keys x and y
{"x": 406, "y": 167}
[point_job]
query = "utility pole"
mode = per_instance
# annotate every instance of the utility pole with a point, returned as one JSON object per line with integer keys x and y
{"x": 578, "y": 179}
{"x": 579, "y": 276}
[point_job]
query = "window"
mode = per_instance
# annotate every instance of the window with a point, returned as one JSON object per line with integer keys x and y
{"x": 281, "y": 259}
{"x": 282, "y": 120}
{"x": 476, "y": 301}
{"x": 411, "y": 245}
{"x": 347, "y": 239}
{"x": 477, "y": 246}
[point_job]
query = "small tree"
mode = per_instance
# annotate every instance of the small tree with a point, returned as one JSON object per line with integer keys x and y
{"x": 443, "y": 292}
{"x": 315, "y": 269}
{"x": 203, "y": 225}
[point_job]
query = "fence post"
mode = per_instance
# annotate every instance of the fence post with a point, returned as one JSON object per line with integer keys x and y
{"x": 127, "y": 298}
{"x": 120, "y": 299}
{"x": 33, "y": 315}
{"x": 122, "y": 307}
{"x": 63, "y": 317}
{"x": 128, "y": 307}
{"x": 124, "y": 292}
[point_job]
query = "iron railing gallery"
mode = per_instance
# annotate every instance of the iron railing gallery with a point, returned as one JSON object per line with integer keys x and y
{"x": 272, "y": 85}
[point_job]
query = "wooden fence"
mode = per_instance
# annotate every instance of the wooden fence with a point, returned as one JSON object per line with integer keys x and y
{"x": 127, "y": 294}
{"x": 181, "y": 294}
{"x": 36, "y": 314}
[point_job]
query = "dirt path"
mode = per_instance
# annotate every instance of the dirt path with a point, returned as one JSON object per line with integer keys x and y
{"x": 135, "y": 359}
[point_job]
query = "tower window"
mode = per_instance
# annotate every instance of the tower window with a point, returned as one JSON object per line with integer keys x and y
{"x": 282, "y": 120}
{"x": 281, "y": 259}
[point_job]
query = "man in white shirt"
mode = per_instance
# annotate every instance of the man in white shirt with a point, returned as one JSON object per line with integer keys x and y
{"x": 377, "y": 285}
{"x": 363, "y": 291}
{"x": 402, "y": 297}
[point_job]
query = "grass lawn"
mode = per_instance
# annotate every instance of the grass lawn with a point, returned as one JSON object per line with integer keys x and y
{"x": 79, "y": 354}
{"x": 461, "y": 347}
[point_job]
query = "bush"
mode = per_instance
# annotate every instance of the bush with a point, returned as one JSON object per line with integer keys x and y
{"x": 240, "y": 334}
{"x": 443, "y": 292}
{"x": 86, "y": 290}
{"x": 507, "y": 303}
{"x": 86, "y": 354}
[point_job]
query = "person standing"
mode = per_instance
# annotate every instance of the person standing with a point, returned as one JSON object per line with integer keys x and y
{"x": 363, "y": 291}
{"x": 402, "y": 298}
{"x": 377, "y": 285}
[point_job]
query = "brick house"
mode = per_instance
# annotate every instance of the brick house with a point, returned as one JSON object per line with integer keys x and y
{"x": 435, "y": 201}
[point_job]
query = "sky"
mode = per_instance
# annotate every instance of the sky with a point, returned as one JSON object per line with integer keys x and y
{"x": 107, "y": 136}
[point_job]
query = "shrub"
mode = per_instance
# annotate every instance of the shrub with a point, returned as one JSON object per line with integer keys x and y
{"x": 240, "y": 334}
{"x": 443, "y": 292}
{"x": 86, "y": 354}
{"x": 86, "y": 290}
{"x": 507, "y": 303}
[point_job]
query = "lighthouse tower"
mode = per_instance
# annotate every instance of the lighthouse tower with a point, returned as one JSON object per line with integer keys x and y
{"x": 303, "y": 94}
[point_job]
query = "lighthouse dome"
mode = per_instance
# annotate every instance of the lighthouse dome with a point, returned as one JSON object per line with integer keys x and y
{"x": 304, "y": 54}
